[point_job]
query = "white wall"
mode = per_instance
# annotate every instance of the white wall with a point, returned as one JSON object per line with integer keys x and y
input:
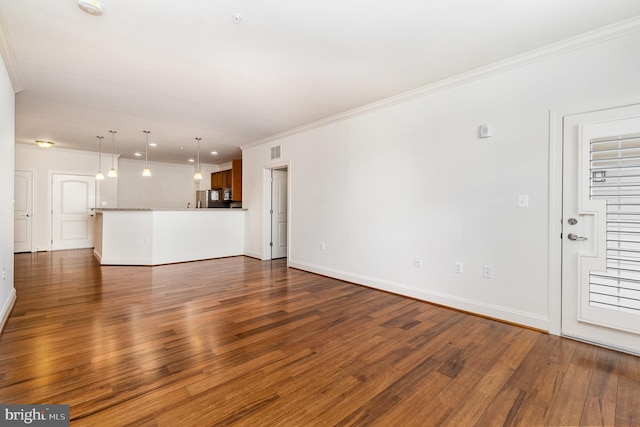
{"x": 169, "y": 186}
{"x": 413, "y": 178}
{"x": 46, "y": 162}
{"x": 7, "y": 132}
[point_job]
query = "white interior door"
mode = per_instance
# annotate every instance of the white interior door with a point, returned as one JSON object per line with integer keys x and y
{"x": 278, "y": 213}
{"x": 73, "y": 203}
{"x": 23, "y": 211}
{"x": 601, "y": 228}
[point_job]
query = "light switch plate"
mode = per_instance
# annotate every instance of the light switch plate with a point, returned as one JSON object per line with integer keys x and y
{"x": 487, "y": 272}
{"x": 523, "y": 201}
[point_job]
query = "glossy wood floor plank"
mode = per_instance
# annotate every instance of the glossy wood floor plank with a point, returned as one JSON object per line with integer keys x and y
{"x": 241, "y": 342}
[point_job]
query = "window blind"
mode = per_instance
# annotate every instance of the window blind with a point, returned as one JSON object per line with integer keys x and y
{"x": 615, "y": 178}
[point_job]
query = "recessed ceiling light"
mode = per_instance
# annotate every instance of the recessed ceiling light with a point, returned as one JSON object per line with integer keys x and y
{"x": 215, "y": 153}
{"x": 191, "y": 160}
{"x": 153, "y": 144}
{"x": 137, "y": 154}
{"x": 90, "y": 7}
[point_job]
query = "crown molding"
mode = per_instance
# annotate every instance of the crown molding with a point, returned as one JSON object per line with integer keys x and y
{"x": 574, "y": 43}
{"x": 7, "y": 56}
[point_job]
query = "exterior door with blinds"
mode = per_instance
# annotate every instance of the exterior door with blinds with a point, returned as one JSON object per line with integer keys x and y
{"x": 601, "y": 228}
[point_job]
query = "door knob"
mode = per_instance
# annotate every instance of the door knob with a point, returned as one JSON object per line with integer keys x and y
{"x": 574, "y": 237}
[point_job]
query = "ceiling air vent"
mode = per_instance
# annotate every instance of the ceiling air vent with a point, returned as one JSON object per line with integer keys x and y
{"x": 275, "y": 152}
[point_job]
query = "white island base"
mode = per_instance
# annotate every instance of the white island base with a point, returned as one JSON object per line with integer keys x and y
{"x": 165, "y": 236}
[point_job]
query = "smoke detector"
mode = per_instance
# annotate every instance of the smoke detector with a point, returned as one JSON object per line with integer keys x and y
{"x": 91, "y": 7}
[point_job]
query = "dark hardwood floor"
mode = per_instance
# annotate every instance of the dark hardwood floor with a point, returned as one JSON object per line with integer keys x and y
{"x": 238, "y": 341}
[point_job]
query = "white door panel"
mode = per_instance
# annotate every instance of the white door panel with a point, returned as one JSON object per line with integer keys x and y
{"x": 23, "y": 211}
{"x": 73, "y": 211}
{"x": 279, "y": 213}
{"x": 601, "y": 228}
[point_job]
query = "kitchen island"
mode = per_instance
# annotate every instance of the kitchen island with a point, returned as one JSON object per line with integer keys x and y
{"x": 165, "y": 236}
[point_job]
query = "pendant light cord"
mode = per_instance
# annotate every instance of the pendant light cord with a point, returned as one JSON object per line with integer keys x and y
{"x": 146, "y": 148}
{"x": 113, "y": 143}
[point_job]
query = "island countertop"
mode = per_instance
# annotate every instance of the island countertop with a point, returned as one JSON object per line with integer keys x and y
{"x": 168, "y": 209}
{"x": 154, "y": 236}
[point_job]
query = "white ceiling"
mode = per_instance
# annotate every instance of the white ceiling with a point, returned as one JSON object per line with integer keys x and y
{"x": 185, "y": 69}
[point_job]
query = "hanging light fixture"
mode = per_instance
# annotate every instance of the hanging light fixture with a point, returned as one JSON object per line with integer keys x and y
{"x": 198, "y": 176}
{"x": 146, "y": 171}
{"x": 100, "y": 175}
{"x": 112, "y": 172}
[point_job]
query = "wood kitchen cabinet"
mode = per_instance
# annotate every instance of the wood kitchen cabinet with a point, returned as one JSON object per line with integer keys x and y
{"x": 230, "y": 179}
{"x": 236, "y": 180}
{"x": 216, "y": 180}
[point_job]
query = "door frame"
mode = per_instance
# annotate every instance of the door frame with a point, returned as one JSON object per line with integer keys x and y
{"x": 266, "y": 207}
{"x": 34, "y": 207}
{"x": 556, "y": 131}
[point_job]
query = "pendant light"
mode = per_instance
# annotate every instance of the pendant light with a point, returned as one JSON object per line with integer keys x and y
{"x": 112, "y": 172}
{"x": 146, "y": 171}
{"x": 100, "y": 175}
{"x": 198, "y": 176}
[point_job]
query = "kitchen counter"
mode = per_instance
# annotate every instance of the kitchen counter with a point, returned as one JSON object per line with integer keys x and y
{"x": 142, "y": 236}
{"x": 168, "y": 209}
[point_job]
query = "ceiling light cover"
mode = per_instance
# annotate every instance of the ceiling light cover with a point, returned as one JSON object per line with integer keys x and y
{"x": 45, "y": 144}
{"x": 91, "y": 7}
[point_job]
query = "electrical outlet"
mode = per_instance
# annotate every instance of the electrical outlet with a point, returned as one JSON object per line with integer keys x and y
{"x": 487, "y": 272}
{"x": 322, "y": 246}
{"x": 417, "y": 262}
{"x": 458, "y": 267}
{"x": 4, "y": 274}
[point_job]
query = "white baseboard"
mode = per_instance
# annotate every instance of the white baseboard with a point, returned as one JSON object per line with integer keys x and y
{"x": 502, "y": 313}
{"x": 6, "y": 309}
{"x": 253, "y": 254}
{"x": 98, "y": 256}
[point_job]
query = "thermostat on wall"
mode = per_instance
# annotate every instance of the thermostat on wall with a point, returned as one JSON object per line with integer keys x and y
{"x": 485, "y": 131}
